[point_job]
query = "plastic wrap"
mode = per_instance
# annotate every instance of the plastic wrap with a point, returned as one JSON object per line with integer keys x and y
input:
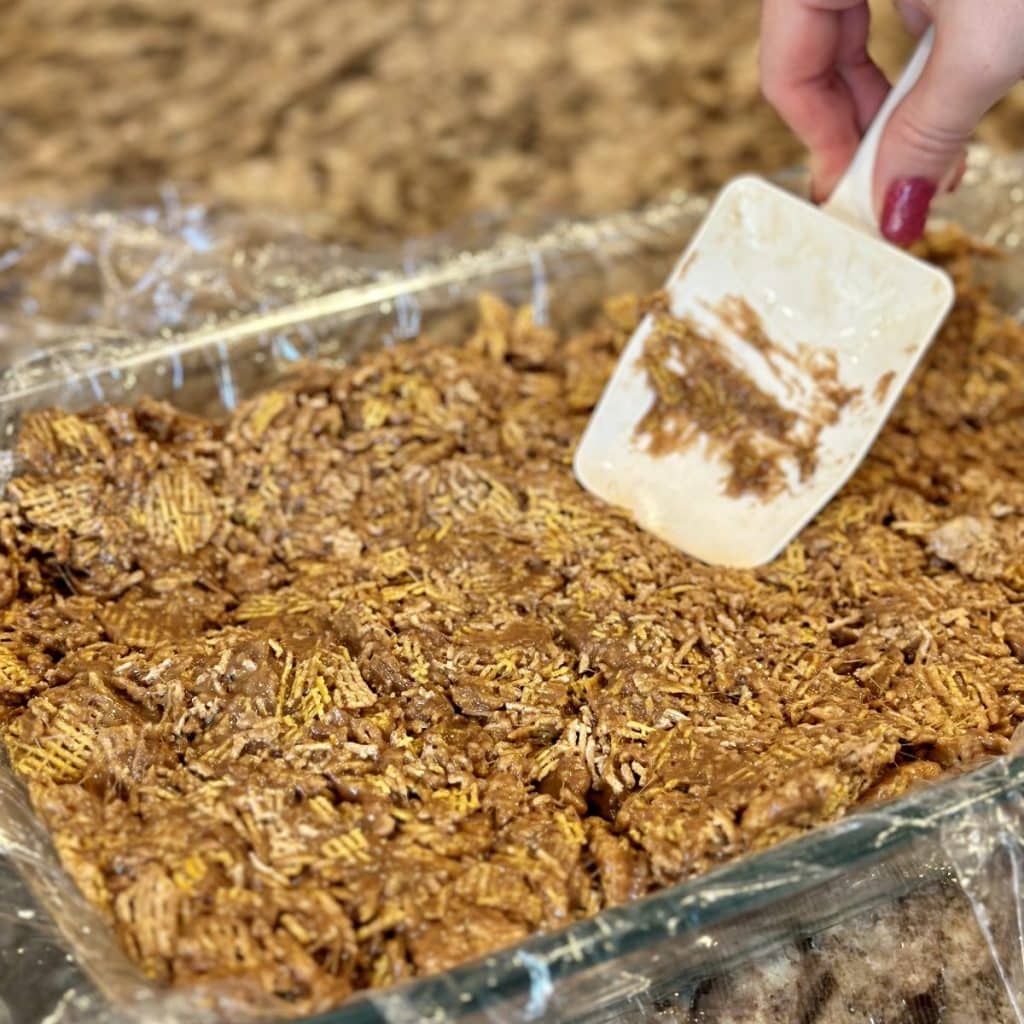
{"x": 908, "y": 911}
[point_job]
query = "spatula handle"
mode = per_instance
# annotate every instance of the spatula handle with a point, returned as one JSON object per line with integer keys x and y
{"x": 853, "y": 198}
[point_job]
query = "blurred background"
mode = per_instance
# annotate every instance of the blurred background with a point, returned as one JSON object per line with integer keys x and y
{"x": 395, "y": 117}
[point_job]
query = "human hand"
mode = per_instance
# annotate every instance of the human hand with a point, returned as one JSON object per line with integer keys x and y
{"x": 815, "y": 70}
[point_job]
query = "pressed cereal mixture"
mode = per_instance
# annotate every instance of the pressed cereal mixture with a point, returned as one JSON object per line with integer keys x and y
{"x": 359, "y": 684}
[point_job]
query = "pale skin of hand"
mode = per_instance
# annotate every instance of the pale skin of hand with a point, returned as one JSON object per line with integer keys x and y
{"x": 815, "y": 70}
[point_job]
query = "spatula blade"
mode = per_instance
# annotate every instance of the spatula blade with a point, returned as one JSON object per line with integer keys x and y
{"x": 826, "y": 322}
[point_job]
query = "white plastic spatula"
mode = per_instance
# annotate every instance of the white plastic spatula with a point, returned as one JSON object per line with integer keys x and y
{"x": 827, "y": 291}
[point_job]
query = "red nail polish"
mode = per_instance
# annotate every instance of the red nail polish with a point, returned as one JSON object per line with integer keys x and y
{"x": 905, "y": 212}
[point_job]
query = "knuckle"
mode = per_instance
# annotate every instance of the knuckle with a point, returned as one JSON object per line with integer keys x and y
{"x": 929, "y": 136}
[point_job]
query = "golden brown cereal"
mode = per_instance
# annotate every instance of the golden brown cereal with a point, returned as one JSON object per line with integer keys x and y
{"x": 360, "y": 684}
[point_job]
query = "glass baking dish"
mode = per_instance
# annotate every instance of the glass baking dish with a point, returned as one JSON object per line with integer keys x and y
{"x": 625, "y": 963}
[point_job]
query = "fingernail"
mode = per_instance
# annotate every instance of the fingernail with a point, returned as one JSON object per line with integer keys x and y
{"x": 905, "y": 212}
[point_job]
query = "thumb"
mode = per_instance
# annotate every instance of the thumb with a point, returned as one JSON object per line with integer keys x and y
{"x": 924, "y": 142}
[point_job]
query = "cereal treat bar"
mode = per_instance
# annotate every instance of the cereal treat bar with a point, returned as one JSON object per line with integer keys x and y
{"x": 358, "y": 684}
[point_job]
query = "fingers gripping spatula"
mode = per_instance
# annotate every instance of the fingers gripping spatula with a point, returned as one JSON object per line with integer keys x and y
{"x": 787, "y": 333}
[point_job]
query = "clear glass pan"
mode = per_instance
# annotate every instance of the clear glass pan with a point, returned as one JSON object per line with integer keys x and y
{"x": 622, "y": 960}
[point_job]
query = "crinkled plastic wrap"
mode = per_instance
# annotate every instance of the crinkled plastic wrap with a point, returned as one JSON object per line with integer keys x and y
{"x": 910, "y": 911}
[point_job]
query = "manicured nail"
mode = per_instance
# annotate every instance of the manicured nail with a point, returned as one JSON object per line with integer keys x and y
{"x": 905, "y": 212}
